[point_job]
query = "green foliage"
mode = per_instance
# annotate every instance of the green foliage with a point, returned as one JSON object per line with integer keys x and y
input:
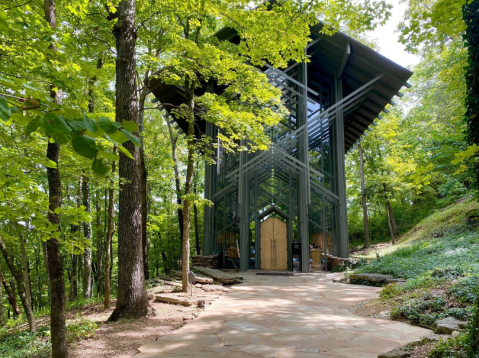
{"x": 453, "y": 348}
{"x": 25, "y": 344}
{"x": 423, "y": 310}
{"x": 80, "y": 330}
{"x": 390, "y": 291}
{"x": 465, "y": 289}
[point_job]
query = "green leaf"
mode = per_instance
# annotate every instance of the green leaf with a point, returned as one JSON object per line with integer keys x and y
{"x": 5, "y": 111}
{"x": 108, "y": 154}
{"x": 85, "y": 146}
{"x": 60, "y": 138}
{"x": 20, "y": 118}
{"x": 3, "y": 21}
{"x": 50, "y": 163}
{"x": 99, "y": 167}
{"x": 77, "y": 125}
{"x": 33, "y": 125}
{"x": 55, "y": 124}
{"x": 108, "y": 126}
{"x": 131, "y": 137}
{"x": 125, "y": 151}
{"x": 130, "y": 126}
{"x": 90, "y": 124}
{"x": 118, "y": 137}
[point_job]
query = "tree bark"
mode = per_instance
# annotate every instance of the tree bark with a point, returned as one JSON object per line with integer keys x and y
{"x": 197, "y": 231}
{"x": 25, "y": 297}
{"x": 2, "y": 313}
{"x": 100, "y": 248}
{"x": 179, "y": 202}
{"x": 26, "y": 284}
{"x": 185, "y": 245}
{"x": 393, "y": 231}
{"x": 74, "y": 229}
{"x": 109, "y": 235}
{"x": 87, "y": 292}
{"x": 11, "y": 296}
{"x": 144, "y": 191}
{"x": 132, "y": 301}
{"x": 55, "y": 264}
{"x": 363, "y": 197}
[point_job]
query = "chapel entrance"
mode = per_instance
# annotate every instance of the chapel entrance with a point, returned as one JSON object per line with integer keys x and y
{"x": 274, "y": 245}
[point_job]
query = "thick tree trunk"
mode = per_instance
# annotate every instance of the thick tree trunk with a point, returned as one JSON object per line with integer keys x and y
{"x": 10, "y": 295}
{"x": 26, "y": 284}
{"x": 109, "y": 235}
{"x": 363, "y": 197}
{"x": 185, "y": 245}
{"x": 132, "y": 301}
{"x": 173, "y": 141}
{"x": 25, "y": 297}
{"x": 87, "y": 292}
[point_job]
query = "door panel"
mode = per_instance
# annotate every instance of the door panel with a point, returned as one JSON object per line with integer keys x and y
{"x": 274, "y": 243}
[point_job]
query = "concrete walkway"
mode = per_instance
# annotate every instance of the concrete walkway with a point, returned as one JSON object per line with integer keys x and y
{"x": 285, "y": 316}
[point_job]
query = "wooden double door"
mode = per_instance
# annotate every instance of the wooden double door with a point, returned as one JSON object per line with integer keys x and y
{"x": 274, "y": 245}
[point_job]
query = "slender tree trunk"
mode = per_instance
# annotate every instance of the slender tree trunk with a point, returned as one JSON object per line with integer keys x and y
{"x": 144, "y": 183}
{"x": 179, "y": 202}
{"x": 185, "y": 265}
{"x": 109, "y": 235}
{"x": 45, "y": 263}
{"x": 100, "y": 248}
{"x": 55, "y": 265}
{"x": 363, "y": 197}
{"x": 26, "y": 284}
{"x": 74, "y": 229}
{"x": 390, "y": 214}
{"x": 197, "y": 231}
{"x": 132, "y": 301}
{"x": 2, "y": 313}
{"x": 10, "y": 295}
{"x": 87, "y": 292}
{"x": 25, "y": 296}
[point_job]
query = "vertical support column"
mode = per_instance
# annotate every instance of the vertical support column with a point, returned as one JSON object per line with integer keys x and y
{"x": 341, "y": 216}
{"x": 208, "y": 212}
{"x": 243, "y": 200}
{"x": 301, "y": 113}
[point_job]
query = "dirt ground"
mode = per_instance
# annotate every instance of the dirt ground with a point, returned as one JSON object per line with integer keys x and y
{"x": 121, "y": 339}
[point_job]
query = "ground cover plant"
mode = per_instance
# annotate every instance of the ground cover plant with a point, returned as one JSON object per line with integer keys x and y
{"x": 439, "y": 258}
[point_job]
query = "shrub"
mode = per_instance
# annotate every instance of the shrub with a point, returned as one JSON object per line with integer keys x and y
{"x": 465, "y": 290}
{"x": 389, "y": 291}
{"x": 81, "y": 330}
{"x": 25, "y": 344}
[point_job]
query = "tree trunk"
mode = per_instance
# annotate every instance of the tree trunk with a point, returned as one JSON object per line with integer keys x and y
{"x": 19, "y": 277}
{"x": 197, "y": 231}
{"x": 174, "y": 141}
{"x": 363, "y": 197}
{"x": 109, "y": 235}
{"x": 144, "y": 183}
{"x": 87, "y": 234}
{"x": 185, "y": 245}
{"x": 132, "y": 301}
{"x": 11, "y": 296}
{"x": 393, "y": 231}
{"x": 2, "y": 313}
{"x": 55, "y": 265}
{"x": 100, "y": 248}
{"x": 74, "y": 229}
{"x": 27, "y": 285}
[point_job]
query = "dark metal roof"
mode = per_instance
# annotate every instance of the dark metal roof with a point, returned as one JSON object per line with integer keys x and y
{"x": 330, "y": 56}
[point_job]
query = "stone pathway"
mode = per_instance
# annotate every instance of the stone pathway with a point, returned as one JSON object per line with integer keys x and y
{"x": 285, "y": 316}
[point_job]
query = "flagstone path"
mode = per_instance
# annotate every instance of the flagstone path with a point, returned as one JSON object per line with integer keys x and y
{"x": 285, "y": 316}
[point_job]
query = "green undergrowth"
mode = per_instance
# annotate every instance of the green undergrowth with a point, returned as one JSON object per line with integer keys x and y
{"x": 439, "y": 258}
{"x": 17, "y": 342}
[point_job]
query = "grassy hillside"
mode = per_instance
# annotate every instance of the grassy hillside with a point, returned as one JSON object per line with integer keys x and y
{"x": 439, "y": 258}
